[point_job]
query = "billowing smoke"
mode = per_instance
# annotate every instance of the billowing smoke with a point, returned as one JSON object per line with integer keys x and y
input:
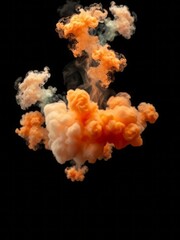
{"x": 92, "y": 119}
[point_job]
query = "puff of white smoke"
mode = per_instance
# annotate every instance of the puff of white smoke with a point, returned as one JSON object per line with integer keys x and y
{"x": 32, "y": 91}
{"x": 123, "y": 22}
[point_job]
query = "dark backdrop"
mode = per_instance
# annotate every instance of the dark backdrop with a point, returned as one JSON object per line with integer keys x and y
{"x": 134, "y": 194}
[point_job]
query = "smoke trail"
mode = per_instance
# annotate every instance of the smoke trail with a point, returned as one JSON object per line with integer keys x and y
{"x": 92, "y": 120}
{"x": 69, "y": 8}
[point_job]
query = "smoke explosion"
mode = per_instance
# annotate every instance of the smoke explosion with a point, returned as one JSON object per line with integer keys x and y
{"x": 91, "y": 120}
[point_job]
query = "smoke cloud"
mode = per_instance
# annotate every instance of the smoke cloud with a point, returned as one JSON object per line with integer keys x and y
{"x": 92, "y": 119}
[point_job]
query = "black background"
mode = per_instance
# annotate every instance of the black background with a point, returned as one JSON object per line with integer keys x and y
{"x": 134, "y": 194}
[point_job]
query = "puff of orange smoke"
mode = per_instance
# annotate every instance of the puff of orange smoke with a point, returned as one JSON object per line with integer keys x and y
{"x": 77, "y": 28}
{"x": 32, "y": 130}
{"x": 76, "y": 174}
{"x": 83, "y": 132}
{"x": 108, "y": 61}
{"x": 31, "y": 90}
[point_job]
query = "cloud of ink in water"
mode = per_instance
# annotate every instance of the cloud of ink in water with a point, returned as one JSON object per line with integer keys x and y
{"x": 92, "y": 120}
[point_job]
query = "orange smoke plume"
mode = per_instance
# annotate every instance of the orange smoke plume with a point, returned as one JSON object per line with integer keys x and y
{"x": 77, "y": 29}
{"x": 78, "y": 128}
